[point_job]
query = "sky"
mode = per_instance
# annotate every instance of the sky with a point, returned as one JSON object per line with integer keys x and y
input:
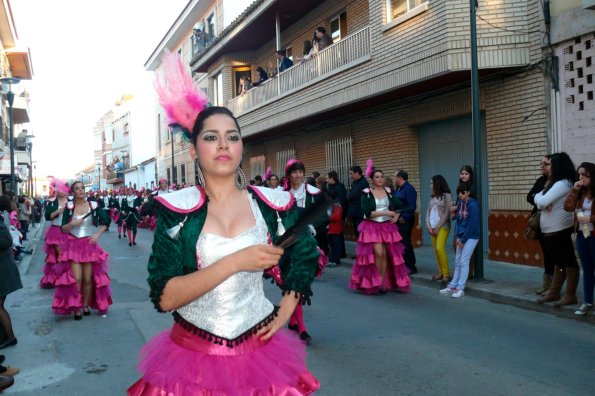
{"x": 85, "y": 55}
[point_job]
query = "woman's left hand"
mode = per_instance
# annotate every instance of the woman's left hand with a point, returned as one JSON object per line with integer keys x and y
{"x": 584, "y": 219}
{"x": 93, "y": 239}
{"x": 286, "y": 308}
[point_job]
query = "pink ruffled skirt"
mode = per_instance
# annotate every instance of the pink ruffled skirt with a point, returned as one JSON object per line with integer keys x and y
{"x": 178, "y": 362}
{"x": 365, "y": 276}
{"x": 67, "y": 296}
{"x": 54, "y": 238}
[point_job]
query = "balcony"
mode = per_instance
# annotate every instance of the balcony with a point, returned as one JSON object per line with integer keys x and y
{"x": 347, "y": 53}
{"x": 200, "y": 40}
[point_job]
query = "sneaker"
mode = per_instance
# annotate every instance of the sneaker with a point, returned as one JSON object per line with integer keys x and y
{"x": 448, "y": 290}
{"x": 583, "y": 309}
{"x": 458, "y": 293}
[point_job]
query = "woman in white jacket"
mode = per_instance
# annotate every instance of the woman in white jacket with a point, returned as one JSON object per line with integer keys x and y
{"x": 557, "y": 226}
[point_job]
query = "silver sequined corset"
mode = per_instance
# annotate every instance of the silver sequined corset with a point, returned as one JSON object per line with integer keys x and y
{"x": 239, "y": 303}
{"x": 381, "y": 205}
{"x": 86, "y": 229}
{"x": 57, "y": 221}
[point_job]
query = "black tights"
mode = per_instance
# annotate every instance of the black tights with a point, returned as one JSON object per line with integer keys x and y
{"x": 5, "y": 321}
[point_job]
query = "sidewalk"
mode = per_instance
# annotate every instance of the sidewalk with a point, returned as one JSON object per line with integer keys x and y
{"x": 503, "y": 283}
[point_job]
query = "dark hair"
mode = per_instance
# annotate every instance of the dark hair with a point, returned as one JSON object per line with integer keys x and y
{"x": 273, "y": 175}
{"x": 463, "y": 187}
{"x": 333, "y": 175}
{"x": 21, "y": 199}
{"x": 468, "y": 169}
{"x": 561, "y": 168}
{"x": 261, "y": 71}
{"x": 252, "y": 182}
{"x": 75, "y": 183}
{"x": 311, "y": 181}
{"x": 589, "y": 168}
{"x": 258, "y": 178}
{"x": 439, "y": 186}
{"x": 402, "y": 174}
{"x": 5, "y": 203}
{"x": 356, "y": 169}
{"x": 376, "y": 170}
{"x": 296, "y": 165}
{"x": 315, "y": 174}
{"x": 281, "y": 52}
{"x": 307, "y": 47}
{"x": 321, "y": 29}
{"x": 206, "y": 113}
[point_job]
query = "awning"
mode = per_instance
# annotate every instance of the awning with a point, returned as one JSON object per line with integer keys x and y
{"x": 20, "y": 62}
{"x": 20, "y": 110}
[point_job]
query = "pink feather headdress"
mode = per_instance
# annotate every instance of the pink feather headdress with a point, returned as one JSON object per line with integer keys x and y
{"x": 180, "y": 98}
{"x": 292, "y": 162}
{"x": 369, "y": 167}
{"x": 60, "y": 185}
{"x": 268, "y": 173}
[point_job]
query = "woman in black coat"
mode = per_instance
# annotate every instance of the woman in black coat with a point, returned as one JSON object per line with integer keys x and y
{"x": 10, "y": 281}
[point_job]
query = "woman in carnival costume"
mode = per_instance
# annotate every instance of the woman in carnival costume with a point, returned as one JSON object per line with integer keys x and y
{"x": 379, "y": 264}
{"x": 212, "y": 243}
{"x": 306, "y": 197}
{"x": 130, "y": 215}
{"x": 119, "y": 217}
{"x": 82, "y": 265}
{"x": 54, "y": 237}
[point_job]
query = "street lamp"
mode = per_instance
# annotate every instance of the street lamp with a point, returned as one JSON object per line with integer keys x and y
{"x": 10, "y": 98}
{"x": 30, "y": 150}
{"x": 98, "y": 175}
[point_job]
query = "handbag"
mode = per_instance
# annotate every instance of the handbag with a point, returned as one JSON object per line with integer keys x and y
{"x": 533, "y": 229}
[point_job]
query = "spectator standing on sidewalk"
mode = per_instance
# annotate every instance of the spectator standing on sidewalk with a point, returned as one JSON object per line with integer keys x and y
{"x": 466, "y": 237}
{"x": 337, "y": 191}
{"x": 465, "y": 176}
{"x": 10, "y": 281}
{"x": 408, "y": 197}
{"x": 438, "y": 224}
{"x": 548, "y": 263}
{"x": 23, "y": 217}
{"x": 557, "y": 227}
{"x": 580, "y": 201}
{"x": 354, "y": 208}
{"x": 335, "y": 235}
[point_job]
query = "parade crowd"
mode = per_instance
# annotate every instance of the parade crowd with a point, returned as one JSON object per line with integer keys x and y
{"x": 216, "y": 241}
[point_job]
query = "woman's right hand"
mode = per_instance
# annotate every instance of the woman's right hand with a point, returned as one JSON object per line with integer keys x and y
{"x": 257, "y": 257}
{"x": 77, "y": 222}
{"x": 578, "y": 185}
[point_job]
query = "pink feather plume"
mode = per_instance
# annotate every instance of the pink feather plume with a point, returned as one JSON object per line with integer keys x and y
{"x": 60, "y": 185}
{"x": 180, "y": 98}
{"x": 268, "y": 173}
{"x": 369, "y": 167}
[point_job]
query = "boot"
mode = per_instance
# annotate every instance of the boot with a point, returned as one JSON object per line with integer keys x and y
{"x": 547, "y": 282}
{"x": 553, "y": 293}
{"x": 572, "y": 275}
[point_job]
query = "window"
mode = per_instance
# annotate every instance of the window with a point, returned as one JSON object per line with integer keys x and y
{"x": 257, "y": 166}
{"x": 282, "y": 158}
{"x": 175, "y": 175}
{"x": 218, "y": 90}
{"x": 183, "y": 173}
{"x": 289, "y": 52}
{"x": 168, "y": 174}
{"x": 339, "y": 157}
{"x": 338, "y": 27}
{"x": 396, "y": 8}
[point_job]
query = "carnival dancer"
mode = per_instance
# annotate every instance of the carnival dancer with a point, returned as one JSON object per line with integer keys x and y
{"x": 130, "y": 214}
{"x": 206, "y": 265}
{"x": 306, "y": 196}
{"x": 119, "y": 204}
{"x": 147, "y": 211}
{"x": 379, "y": 264}
{"x": 54, "y": 237}
{"x": 82, "y": 265}
{"x": 163, "y": 188}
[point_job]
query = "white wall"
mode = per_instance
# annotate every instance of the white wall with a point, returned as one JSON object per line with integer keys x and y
{"x": 142, "y": 123}
{"x": 147, "y": 175}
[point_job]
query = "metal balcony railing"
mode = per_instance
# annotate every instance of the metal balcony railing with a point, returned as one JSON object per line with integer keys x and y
{"x": 199, "y": 41}
{"x": 351, "y": 51}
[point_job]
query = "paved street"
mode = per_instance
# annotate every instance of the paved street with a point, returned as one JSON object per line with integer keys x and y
{"x": 420, "y": 343}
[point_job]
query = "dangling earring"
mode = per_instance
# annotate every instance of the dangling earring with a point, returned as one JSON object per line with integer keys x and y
{"x": 241, "y": 181}
{"x": 201, "y": 178}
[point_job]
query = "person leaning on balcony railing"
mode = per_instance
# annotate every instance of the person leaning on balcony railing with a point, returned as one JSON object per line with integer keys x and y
{"x": 262, "y": 76}
{"x": 284, "y": 62}
{"x": 321, "y": 39}
{"x": 308, "y": 52}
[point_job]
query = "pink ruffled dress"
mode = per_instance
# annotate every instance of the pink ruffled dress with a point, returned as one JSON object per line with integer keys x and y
{"x": 54, "y": 238}
{"x": 77, "y": 249}
{"x": 212, "y": 348}
{"x": 365, "y": 276}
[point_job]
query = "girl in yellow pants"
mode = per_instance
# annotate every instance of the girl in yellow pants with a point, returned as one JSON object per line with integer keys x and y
{"x": 438, "y": 224}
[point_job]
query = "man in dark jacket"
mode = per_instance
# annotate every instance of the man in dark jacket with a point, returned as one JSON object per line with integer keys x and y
{"x": 408, "y": 196}
{"x": 336, "y": 189}
{"x": 354, "y": 208}
{"x": 284, "y": 62}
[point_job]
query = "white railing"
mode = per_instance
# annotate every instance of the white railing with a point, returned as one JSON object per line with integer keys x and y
{"x": 352, "y": 50}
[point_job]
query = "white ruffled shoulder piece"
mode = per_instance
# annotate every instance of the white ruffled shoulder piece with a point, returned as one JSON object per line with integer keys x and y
{"x": 70, "y": 205}
{"x": 52, "y": 199}
{"x": 313, "y": 190}
{"x": 93, "y": 204}
{"x": 276, "y": 199}
{"x": 366, "y": 191}
{"x": 183, "y": 201}
{"x": 388, "y": 190}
